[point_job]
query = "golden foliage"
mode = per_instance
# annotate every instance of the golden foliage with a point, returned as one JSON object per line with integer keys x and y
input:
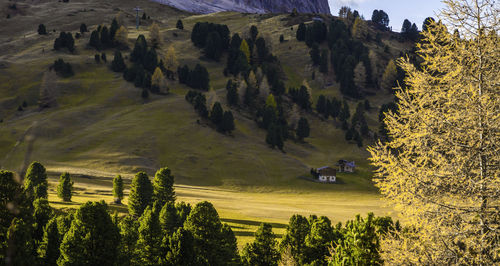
{"x": 158, "y": 80}
{"x": 121, "y": 36}
{"x": 440, "y": 167}
{"x": 271, "y": 102}
{"x": 389, "y": 76}
{"x": 154, "y": 35}
{"x": 171, "y": 62}
{"x": 245, "y": 49}
{"x": 359, "y": 29}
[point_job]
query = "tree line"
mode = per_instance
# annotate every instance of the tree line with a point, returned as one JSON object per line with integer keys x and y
{"x": 160, "y": 231}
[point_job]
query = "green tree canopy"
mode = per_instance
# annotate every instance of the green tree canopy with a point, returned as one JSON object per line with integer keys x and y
{"x": 264, "y": 250}
{"x": 35, "y": 182}
{"x": 163, "y": 186}
{"x": 93, "y": 238}
{"x": 118, "y": 189}
{"x": 65, "y": 187}
{"x": 141, "y": 194}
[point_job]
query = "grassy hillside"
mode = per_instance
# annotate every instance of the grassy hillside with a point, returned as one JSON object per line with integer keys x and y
{"x": 102, "y": 127}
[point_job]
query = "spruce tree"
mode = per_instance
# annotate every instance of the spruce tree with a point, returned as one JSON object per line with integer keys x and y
{"x": 147, "y": 250}
{"x": 93, "y": 238}
{"x": 315, "y": 55}
{"x": 294, "y": 239}
{"x": 21, "y": 245}
{"x": 179, "y": 25}
{"x": 65, "y": 187}
{"x": 301, "y": 32}
{"x": 118, "y": 65}
{"x": 35, "y": 181}
{"x": 180, "y": 249}
{"x": 48, "y": 250}
{"x": 141, "y": 193}
{"x": 232, "y": 93}
{"x": 264, "y": 250}
{"x": 321, "y": 104}
{"x": 42, "y": 30}
{"x": 213, "y": 243}
{"x": 216, "y": 114}
{"x": 227, "y": 124}
{"x": 95, "y": 41}
{"x": 42, "y": 213}
{"x": 83, "y": 28}
{"x": 118, "y": 189}
{"x": 169, "y": 219}
{"x": 129, "y": 235}
{"x": 303, "y": 129}
{"x": 163, "y": 187}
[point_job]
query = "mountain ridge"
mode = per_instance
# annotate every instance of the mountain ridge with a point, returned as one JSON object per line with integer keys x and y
{"x": 249, "y": 6}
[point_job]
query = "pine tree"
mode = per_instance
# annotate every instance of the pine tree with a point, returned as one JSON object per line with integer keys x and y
{"x": 294, "y": 239}
{"x": 232, "y": 93}
{"x": 360, "y": 75}
{"x": 118, "y": 189}
{"x": 113, "y": 29}
{"x": 171, "y": 62}
{"x": 92, "y": 239}
{"x": 35, "y": 181}
{"x": 42, "y": 212}
{"x": 83, "y": 28}
{"x": 158, "y": 81}
{"x": 141, "y": 193}
{"x": 271, "y": 102}
{"x": 42, "y": 30}
{"x": 254, "y": 32}
{"x": 315, "y": 54}
{"x": 118, "y": 65}
{"x": 301, "y": 32}
{"x": 321, "y": 104}
{"x": 65, "y": 187}
{"x": 264, "y": 250}
{"x": 48, "y": 250}
{"x": 169, "y": 219}
{"x": 303, "y": 129}
{"x": 213, "y": 47}
{"x": 213, "y": 242}
{"x": 147, "y": 250}
{"x": 181, "y": 249}
{"x": 227, "y": 124}
{"x": 216, "y": 114}
{"x": 323, "y": 61}
{"x": 129, "y": 227}
{"x": 21, "y": 245}
{"x": 163, "y": 186}
{"x": 95, "y": 41}
{"x": 359, "y": 29}
{"x": 319, "y": 241}
{"x": 440, "y": 165}
{"x": 179, "y": 25}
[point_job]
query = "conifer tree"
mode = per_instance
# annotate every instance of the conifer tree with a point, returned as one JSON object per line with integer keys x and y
{"x": 21, "y": 245}
{"x": 179, "y": 25}
{"x": 155, "y": 36}
{"x": 93, "y": 238}
{"x": 118, "y": 65}
{"x": 65, "y": 187}
{"x": 213, "y": 242}
{"x": 301, "y": 32}
{"x": 42, "y": 212}
{"x": 389, "y": 76}
{"x": 121, "y": 37}
{"x": 129, "y": 234}
{"x": 35, "y": 182}
{"x": 42, "y": 30}
{"x": 440, "y": 165}
{"x": 245, "y": 49}
{"x": 48, "y": 250}
{"x": 227, "y": 124}
{"x": 271, "y": 102}
{"x": 294, "y": 239}
{"x": 181, "y": 249}
{"x": 264, "y": 250}
{"x": 319, "y": 241}
{"x": 141, "y": 194}
{"x": 232, "y": 93}
{"x": 169, "y": 219}
{"x": 216, "y": 114}
{"x": 303, "y": 129}
{"x": 158, "y": 81}
{"x": 163, "y": 186}
{"x": 118, "y": 189}
{"x": 95, "y": 40}
{"x": 147, "y": 249}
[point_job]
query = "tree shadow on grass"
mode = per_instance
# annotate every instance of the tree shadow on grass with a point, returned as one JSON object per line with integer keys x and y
{"x": 249, "y": 233}
{"x": 253, "y": 223}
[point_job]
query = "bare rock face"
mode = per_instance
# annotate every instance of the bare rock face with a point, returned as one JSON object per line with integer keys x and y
{"x": 249, "y": 6}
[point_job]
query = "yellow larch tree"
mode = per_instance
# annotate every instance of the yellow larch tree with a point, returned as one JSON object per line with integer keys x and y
{"x": 154, "y": 35}
{"x": 389, "y": 76}
{"x": 121, "y": 36}
{"x": 171, "y": 62}
{"x": 440, "y": 167}
{"x": 158, "y": 81}
{"x": 245, "y": 49}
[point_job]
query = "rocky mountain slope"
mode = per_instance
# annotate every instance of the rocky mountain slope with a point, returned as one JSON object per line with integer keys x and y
{"x": 250, "y": 6}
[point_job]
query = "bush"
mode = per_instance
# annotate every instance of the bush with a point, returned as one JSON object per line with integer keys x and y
{"x": 65, "y": 40}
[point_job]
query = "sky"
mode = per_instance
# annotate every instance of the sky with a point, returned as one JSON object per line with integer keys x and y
{"x": 398, "y": 10}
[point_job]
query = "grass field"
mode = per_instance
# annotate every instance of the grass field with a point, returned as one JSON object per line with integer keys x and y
{"x": 101, "y": 127}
